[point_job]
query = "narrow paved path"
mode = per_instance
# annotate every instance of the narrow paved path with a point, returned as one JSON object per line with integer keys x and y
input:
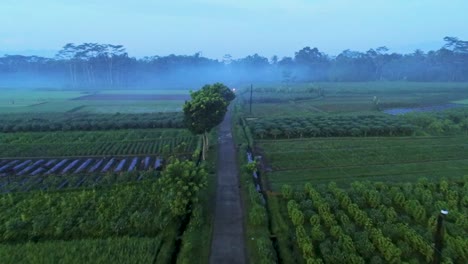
{"x": 228, "y": 233}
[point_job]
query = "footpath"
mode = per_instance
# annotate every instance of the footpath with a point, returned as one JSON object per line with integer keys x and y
{"x": 228, "y": 231}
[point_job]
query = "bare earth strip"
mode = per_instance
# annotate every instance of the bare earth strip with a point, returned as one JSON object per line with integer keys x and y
{"x": 228, "y": 233}
{"x": 133, "y": 97}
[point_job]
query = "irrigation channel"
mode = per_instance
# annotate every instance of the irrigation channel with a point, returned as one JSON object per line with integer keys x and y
{"x": 227, "y": 244}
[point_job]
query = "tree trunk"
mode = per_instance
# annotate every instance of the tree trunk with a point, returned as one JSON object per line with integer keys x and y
{"x": 205, "y": 145}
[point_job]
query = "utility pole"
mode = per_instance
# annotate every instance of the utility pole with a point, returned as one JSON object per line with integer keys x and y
{"x": 439, "y": 237}
{"x": 251, "y": 91}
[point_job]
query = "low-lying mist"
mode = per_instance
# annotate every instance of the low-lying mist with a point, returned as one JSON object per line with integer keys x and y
{"x": 92, "y": 66}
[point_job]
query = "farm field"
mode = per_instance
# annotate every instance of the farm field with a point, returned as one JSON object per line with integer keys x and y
{"x": 58, "y": 174}
{"x": 345, "y": 181}
{"x": 390, "y": 159}
{"x": 313, "y": 98}
{"x": 111, "y": 250}
{"x": 380, "y": 222}
{"x": 82, "y": 174}
{"x": 97, "y": 143}
{"x": 108, "y": 101}
{"x": 129, "y": 216}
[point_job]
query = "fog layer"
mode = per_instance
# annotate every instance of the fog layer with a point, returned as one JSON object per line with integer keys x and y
{"x": 104, "y": 66}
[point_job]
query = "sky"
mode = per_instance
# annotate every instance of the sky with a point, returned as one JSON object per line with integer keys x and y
{"x": 235, "y": 27}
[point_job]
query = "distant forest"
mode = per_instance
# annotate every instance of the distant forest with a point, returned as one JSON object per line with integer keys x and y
{"x": 93, "y": 66}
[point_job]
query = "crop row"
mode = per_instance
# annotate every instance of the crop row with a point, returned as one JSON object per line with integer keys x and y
{"x": 111, "y": 250}
{"x": 92, "y": 136}
{"x": 72, "y": 181}
{"x": 87, "y": 121}
{"x": 179, "y": 145}
{"x": 121, "y": 210}
{"x": 378, "y": 222}
{"x": 95, "y": 165}
{"x": 330, "y": 126}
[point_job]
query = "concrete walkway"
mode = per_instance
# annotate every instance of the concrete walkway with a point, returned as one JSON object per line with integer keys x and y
{"x": 228, "y": 232}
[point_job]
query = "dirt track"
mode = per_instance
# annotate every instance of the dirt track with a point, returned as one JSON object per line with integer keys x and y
{"x": 228, "y": 232}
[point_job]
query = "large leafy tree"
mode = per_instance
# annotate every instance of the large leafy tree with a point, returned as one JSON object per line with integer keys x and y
{"x": 220, "y": 89}
{"x": 206, "y": 110}
{"x": 181, "y": 183}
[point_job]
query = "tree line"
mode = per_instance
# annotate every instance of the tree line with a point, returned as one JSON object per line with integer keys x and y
{"x": 93, "y": 65}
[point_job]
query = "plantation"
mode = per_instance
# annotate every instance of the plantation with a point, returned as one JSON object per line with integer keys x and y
{"x": 43, "y": 179}
{"x": 331, "y": 126}
{"x": 371, "y": 222}
{"x": 392, "y": 159}
{"x": 298, "y": 99}
{"x": 37, "y": 122}
{"x": 98, "y": 143}
{"x": 110, "y": 250}
{"x": 341, "y": 181}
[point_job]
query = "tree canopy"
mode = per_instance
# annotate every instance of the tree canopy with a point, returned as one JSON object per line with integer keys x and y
{"x": 181, "y": 183}
{"x": 207, "y": 109}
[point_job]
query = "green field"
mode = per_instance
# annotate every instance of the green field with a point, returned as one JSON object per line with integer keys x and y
{"x": 345, "y": 182}
{"x": 391, "y": 159}
{"x": 97, "y": 143}
{"x": 369, "y": 222}
{"x": 44, "y": 101}
{"x": 312, "y": 98}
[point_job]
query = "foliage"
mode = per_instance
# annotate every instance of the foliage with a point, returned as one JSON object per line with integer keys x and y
{"x": 330, "y": 126}
{"x": 205, "y": 111}
{"x": 110, "y": 250}
{"x": 123, "y": 209}
{"x": 394, "y": 159}
{"x": 219, "y": 89}
{"x": 347, "y": 228}
{"x": 96, "y": 143}
{"x": 36, "y": 122}
{"x": 181, "y": 183}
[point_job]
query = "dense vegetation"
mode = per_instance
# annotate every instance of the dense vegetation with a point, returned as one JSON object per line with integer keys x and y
{"x": 36, "y": 122}
{"x": 376, "y": 222}
{"x": 395, "y": 159}
{"x": 110, "y": 250}
{"x": 451, "y": 122}
{"x": 98, "y": 143}
{"x": 112, "y": 213}
{"x": 117, "y": 211}
{"x": 27, "y": 183}
{"x": 331, "y": 126}
{"x": 315, "y": 134}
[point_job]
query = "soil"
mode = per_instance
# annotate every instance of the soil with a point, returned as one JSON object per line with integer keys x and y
{"x": 227, "y": 244}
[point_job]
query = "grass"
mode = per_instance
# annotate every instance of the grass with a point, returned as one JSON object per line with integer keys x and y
{"x": 302, "y": 99}
{"x": 389, "y": 159}
{"x": 43, "y": 101}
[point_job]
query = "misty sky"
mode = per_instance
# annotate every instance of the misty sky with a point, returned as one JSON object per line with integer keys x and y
{"x": 237, "y": 27}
